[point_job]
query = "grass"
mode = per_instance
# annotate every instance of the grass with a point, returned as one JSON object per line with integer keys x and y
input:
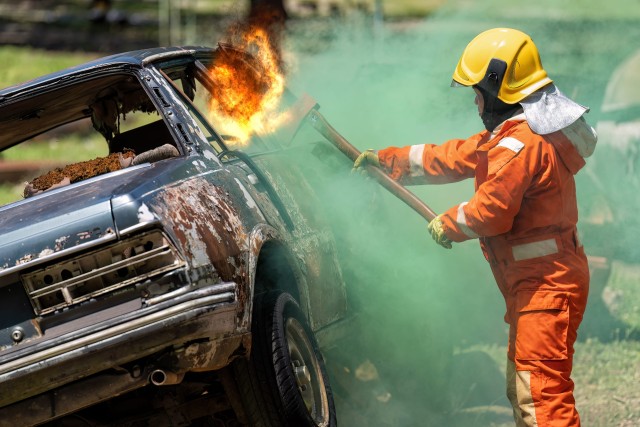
{"x": 606, "y": 377}
{"x": 22, "y": 64}
{"x": 72, "y": 149}
{"x": 10, "y": 193}
{"x": 623, "y": 296}
{"x": 410, "y": 8}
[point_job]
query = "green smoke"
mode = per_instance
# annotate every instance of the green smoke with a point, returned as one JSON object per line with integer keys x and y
{"x": 425, "y": 308}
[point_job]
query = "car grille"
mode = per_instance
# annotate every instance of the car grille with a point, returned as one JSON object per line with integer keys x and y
{"x": 101, "y": 272}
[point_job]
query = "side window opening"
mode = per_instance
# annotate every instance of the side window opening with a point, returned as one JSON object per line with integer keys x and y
{"x": 196, "y": 101}
{"x": 192, "y": 82}
{"x": 81, "y": 131}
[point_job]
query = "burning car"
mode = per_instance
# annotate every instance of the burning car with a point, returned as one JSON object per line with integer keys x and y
{"x": 184, "y": 275}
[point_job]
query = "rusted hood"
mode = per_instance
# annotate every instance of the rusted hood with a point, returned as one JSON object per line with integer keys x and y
{"x": 64, "y": 218}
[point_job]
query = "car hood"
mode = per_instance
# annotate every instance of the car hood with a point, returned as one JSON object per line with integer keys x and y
{"x": 64, "y": 218}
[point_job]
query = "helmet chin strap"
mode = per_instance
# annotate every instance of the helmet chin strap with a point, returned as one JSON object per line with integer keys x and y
{"x": 495, "y": 111}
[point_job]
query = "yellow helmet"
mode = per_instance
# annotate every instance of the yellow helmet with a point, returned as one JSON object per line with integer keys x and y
{"x": 504, "y": 62}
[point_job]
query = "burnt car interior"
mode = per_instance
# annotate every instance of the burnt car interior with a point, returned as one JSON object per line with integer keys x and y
{"x": 115, "y": 110}
{"x": 115, "y": 115}
{"x": 143, "y": 138}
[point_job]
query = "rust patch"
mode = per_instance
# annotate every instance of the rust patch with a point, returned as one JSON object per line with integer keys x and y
{"x": 25, "y": 259}
{"x": 211, "y": 355}
{"x": 60, "y": 243}
{"x": 207, "y": 226}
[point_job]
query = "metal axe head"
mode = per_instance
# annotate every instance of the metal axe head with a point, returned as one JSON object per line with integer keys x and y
{"x": 295, "y": 117}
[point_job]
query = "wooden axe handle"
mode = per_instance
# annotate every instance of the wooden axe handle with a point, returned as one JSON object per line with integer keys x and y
{"x": 322, "y": 126}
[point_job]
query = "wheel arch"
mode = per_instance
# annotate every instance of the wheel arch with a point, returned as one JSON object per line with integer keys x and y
{"x": 273, "y": 265}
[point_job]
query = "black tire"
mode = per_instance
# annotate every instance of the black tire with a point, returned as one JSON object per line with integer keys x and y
{"x": 284, "y": 384}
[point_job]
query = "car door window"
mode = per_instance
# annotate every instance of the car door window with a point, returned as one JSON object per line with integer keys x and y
{"x": 80, "y": 130}
{"x": 194, "y": 85}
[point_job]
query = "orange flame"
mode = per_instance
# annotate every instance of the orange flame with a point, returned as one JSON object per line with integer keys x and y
{"x": 246, "y": 91}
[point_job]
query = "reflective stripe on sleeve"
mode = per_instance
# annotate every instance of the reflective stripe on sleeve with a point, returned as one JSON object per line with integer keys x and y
{"x": 534, "y": 249}
{"x": 461, "y": 220}
{"x": 415, "y": 160}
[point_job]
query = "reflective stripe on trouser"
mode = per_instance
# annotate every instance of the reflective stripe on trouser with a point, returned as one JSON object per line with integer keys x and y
{"x": 520, "y": 396}
{"x": 543, "y": 329}
{"x": 541, "y": 337}
{"x": 542, "y": 395}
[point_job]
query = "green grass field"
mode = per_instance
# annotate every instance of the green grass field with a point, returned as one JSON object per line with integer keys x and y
{"x": 606, "y": 376}
{"x": 22, "y": 64}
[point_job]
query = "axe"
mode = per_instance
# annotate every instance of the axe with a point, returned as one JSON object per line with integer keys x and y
{"x": 306, "y": 108}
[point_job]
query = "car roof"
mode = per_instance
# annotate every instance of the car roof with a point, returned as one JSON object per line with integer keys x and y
{"x": 136, "y": 58}
{"x": 47, "y": 100}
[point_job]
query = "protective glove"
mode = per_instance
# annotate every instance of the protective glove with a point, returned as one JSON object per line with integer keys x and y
{"x": 367, "y": 157}
{"x": 436, "y": 229}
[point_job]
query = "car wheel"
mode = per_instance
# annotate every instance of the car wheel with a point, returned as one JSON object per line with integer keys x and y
{"x": 284, "y": 383}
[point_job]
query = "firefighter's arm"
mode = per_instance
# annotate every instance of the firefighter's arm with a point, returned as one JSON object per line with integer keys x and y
{"x": 492, "y": 209}
{"x": 451, "y": 161}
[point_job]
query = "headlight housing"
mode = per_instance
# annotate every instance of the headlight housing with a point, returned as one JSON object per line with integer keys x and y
{"x": 101, "y": 272}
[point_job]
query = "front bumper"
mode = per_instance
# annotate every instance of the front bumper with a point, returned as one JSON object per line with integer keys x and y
{"x": 208, "y": 313}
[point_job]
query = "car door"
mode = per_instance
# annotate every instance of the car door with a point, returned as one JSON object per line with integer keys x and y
{"x": 268, "y": 172}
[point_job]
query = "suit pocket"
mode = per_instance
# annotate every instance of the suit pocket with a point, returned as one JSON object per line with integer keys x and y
{"x": 542, "y": 325}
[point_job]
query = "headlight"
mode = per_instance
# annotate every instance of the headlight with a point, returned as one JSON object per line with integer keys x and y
{"x": 101, "y": 272}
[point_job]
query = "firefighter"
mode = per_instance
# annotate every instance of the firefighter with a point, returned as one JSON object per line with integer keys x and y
{"x": 523, "y": 211}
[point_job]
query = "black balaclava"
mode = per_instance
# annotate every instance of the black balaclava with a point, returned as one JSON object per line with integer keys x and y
{"x": 495, "y": 110}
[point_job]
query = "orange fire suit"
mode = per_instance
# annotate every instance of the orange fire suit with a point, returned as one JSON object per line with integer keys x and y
{"x": 524, "y": 212}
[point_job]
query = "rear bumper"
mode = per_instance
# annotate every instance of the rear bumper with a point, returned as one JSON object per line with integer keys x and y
{"x": 208, "y": 312}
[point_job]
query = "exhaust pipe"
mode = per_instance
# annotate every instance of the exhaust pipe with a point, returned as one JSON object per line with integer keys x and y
{"x": 161, "y": 377}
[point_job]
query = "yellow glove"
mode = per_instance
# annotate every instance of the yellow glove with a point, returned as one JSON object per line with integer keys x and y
{"x": 437, "y": 233}
{"x": 367, "y": 157}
